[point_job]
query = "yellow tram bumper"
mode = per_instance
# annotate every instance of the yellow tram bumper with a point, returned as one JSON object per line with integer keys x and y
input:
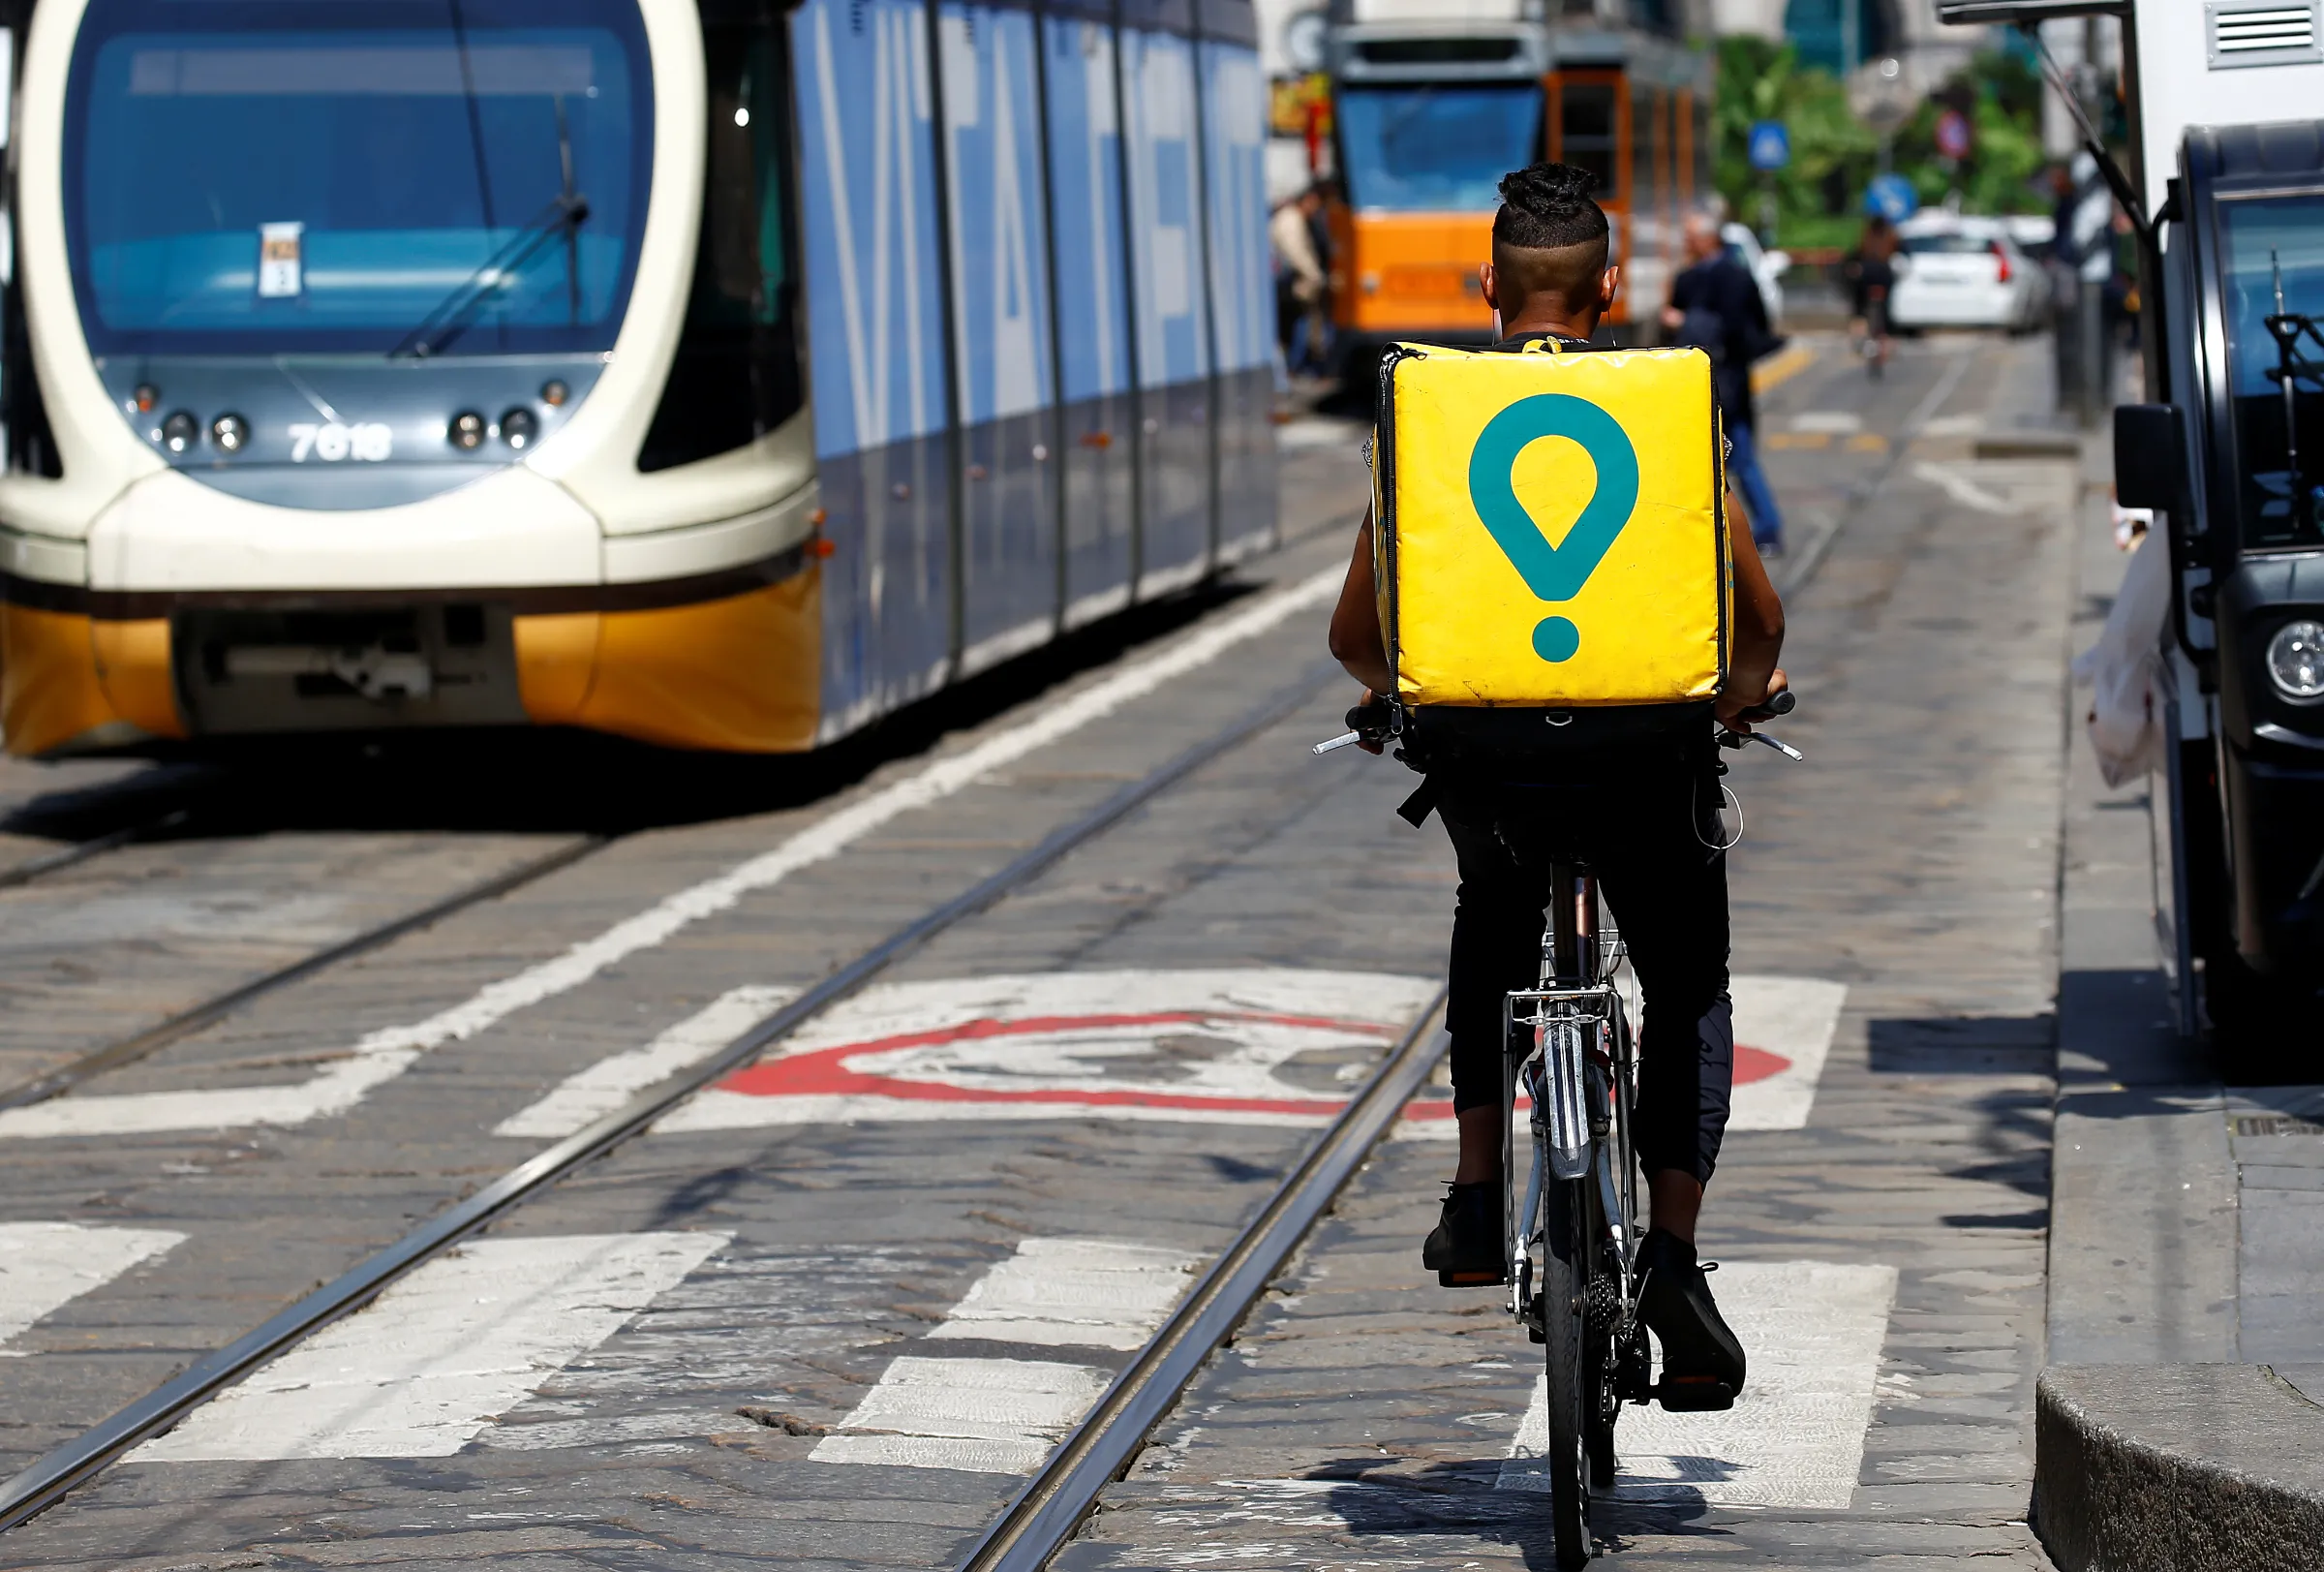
{"x": 68, "y": 681}
{"x": 740, "y": 672}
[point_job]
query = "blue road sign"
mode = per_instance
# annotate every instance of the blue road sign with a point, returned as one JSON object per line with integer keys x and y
{"x": 1892, "y": 197}
{"x": 1770, "y": 144}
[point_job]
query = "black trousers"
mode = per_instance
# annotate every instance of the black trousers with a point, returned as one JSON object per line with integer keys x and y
{"x": 1646, "y": 827}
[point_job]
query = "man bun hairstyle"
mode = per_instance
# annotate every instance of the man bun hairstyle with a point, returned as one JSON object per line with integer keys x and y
{"x": 1548, "y": 207}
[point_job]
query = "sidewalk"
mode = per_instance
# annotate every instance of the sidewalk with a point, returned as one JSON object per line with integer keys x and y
{"x": 2175, "y": 1425}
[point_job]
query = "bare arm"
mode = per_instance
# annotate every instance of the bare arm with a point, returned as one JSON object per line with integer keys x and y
{"x": 1356, "y": 640}
{"x": 1753, "y": 673}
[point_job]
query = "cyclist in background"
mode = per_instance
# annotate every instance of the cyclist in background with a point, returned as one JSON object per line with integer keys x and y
{"x": 1870, "y": 272}
{"x": 1644, "y": 815}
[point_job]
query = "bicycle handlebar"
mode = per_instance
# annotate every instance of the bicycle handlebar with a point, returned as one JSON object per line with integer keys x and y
{"x": 1380, "y": 721}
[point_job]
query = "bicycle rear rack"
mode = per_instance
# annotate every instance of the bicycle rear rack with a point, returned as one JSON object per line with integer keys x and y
{"x": 1569, "y": 1027}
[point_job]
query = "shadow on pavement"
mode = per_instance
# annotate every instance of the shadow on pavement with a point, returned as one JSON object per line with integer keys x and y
{"x": 547, "y": 780}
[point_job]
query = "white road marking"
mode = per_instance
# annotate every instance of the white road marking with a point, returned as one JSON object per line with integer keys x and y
{"x": 1794, "y": 1019}
{"x": 1812, "y": 1332}
{"x": 382, "y": 1056}
{"x": 440, "y": 1353}
{"x": 1838, "y": 423}
{"x": 1784, "y": 1029}
{"x": 612, "y": 1082}
{"x": 1201, "y": 1046}
{"x": 45, "y": 1266}
{"x": 995, "y": 1416}
{"x": 1002, "y": 1416}
{"x": 1083, "y": 1293}
{"x": 1962, "y": 489}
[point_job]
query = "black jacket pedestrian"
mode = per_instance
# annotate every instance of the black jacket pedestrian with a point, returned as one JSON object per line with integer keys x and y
{"x": 1725, "y": 315}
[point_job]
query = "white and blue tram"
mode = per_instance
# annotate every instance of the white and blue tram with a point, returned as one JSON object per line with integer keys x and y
{"x": 718, "y": 373}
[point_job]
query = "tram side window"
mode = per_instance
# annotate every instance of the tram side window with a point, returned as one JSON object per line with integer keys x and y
{"x": 738, "y": 371}
{"x": 1586, "y": 131}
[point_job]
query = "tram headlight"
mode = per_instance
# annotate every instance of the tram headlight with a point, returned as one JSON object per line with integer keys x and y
{"x": 518, "y": 427}
{"x": 180, "y": 431}
{"x": 2296, "y": 659}
{"x": 230, "y": 432}
{"x": 464, "y": 431}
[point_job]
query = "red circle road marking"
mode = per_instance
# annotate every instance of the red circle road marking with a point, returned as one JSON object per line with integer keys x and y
{"x": 824, "y": 1071}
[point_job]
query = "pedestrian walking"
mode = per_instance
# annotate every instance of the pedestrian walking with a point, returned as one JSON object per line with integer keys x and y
{"x": 1301, "y": 285}
{"x": 1715, "y": 304}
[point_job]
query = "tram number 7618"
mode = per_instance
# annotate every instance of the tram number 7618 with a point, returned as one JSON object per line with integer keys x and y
{"x": 367, "y": 443}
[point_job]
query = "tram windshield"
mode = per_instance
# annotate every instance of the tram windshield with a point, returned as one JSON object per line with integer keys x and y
{"x": 1436, "y": 148}
{"x": 325, "y": 175}
{"x": 2274, "y": 243}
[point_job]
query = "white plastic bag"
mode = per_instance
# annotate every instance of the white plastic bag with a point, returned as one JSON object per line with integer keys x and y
{"x": 2124, "y": 669}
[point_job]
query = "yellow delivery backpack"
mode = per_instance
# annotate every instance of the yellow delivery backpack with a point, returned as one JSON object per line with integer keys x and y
{"x": 1550, "y": 544}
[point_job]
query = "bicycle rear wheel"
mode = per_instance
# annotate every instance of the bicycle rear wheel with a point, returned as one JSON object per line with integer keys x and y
{"x": 1571, "y": 1384}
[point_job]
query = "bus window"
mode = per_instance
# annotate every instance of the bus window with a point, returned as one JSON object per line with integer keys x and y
{"x": 1436, "y": 148}
{"x": 1586, "y": 131}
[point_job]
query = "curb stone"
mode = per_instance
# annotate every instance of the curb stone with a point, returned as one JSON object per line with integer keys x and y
{"x": 2178, "y": 1469}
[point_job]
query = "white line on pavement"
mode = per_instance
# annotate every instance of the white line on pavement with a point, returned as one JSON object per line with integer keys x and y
{"x": 1811, "y": 1334}
{"x": 993, "y": 1416}
{"x": 1962, "y": 489}
{"x": 1082, "y": 1293}
{"x": 1794, "y": 1019}
{"x": 612, "y": 1081}
{"x": 386, "y": 1053}
{"x": 45, "y": 1266}
{"x": 1003, "y": 1415}
{"x": 441, "y": 1352}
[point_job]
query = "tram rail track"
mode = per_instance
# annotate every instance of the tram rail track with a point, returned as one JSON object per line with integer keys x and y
{"x": 1052, "y": 1507}
{"x": 34, "y": 868}
{"x": 78, "y": 1460}
{"x": 185, "y": 1023}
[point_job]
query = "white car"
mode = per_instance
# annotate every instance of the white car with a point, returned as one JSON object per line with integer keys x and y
{"x": 1766, "y": 268}
{"x": 1957, "y": 271}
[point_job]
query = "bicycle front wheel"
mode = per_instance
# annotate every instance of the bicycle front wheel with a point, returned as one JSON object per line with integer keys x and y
{"x": 1571, "y": 1384}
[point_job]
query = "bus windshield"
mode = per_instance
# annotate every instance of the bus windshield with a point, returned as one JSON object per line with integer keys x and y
{"x": 323, "y": 176}
{"x": 2273, "y": 242}
{"x": 1437, "y": 148}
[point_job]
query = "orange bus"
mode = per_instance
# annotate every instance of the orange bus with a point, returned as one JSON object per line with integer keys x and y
{"x": 1427, "y": 117}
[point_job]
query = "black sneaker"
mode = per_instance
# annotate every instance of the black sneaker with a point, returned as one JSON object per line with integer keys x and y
{"x": 1464, "y": 1248}
{"x": 1702, "y": 1361}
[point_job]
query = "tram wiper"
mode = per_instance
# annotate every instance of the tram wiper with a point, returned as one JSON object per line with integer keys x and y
{"x": 438, "y": 330}
{"x": 2291, "y": 368}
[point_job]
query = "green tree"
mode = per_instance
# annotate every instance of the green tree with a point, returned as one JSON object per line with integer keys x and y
{"x": 1830, "y": 149}
{"x": 1834, "y": 156}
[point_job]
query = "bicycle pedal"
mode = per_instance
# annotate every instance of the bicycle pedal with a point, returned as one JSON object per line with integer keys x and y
{"x": 1471, "y": 1280}
{"x": 1693, "y": 1395}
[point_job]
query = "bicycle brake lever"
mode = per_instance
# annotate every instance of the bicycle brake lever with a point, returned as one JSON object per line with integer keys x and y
{"x": 1346, "y": 739}
{"x": 1782, "y": 748}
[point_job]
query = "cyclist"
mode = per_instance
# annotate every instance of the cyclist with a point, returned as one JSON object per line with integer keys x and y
{"x": 1871, "y": 273}
{"x": 1644, "y": 815}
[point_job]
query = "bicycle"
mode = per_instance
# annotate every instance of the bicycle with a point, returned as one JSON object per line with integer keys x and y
{"x": 1573, "y": 1248}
